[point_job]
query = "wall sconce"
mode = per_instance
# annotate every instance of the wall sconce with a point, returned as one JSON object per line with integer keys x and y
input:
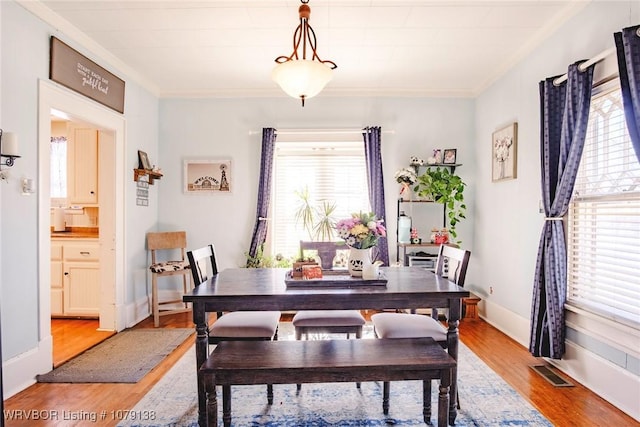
{"x": 8, "y": 148}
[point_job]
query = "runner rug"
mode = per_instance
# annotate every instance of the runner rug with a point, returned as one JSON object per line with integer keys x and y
{"x": 124, "y": 358}
{"x": 485, "y": 398}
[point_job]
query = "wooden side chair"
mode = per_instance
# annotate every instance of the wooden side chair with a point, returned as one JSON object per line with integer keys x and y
{"x": 163, "y": 247}
{"x": 405, "y": 325}
{"x": 237, "y": 325}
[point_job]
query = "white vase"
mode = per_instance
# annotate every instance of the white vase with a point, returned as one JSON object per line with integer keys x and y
{"x": 358, "y": 259}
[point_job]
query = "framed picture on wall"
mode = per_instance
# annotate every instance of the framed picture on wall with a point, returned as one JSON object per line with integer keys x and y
{"x": 207, "y": 176}
{"x": 504, "y": 153}
{"x": 143, "y": 161}
{"x": 449, "y": 157}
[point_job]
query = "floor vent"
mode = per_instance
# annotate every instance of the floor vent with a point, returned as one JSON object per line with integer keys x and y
{"x": 551, "y": 376}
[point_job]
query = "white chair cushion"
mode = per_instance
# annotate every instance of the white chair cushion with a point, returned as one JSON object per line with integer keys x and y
{"x": 321, "y": 318}
{"x": 399, "y": 325}
{"x": 246, "y": 324}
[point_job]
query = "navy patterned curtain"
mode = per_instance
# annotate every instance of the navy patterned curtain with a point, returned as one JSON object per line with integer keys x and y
{"x": 564, "y": 115}
{"x": 628, "y": 49}
{"x": 373, "y": 157}
{"x": 264, "y": 191}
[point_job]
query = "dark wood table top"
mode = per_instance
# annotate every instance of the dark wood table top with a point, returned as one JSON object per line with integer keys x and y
{"x": 407, "y": 287}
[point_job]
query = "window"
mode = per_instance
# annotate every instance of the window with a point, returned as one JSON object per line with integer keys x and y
{"x": 604, "y": 217}
{"x": 58, "y": 167}
{"x": 331, "y": 171}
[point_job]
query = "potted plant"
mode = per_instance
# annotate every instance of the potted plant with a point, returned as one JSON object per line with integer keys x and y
{"x": 442, "y": 186}
{"x": 317, "y": 221}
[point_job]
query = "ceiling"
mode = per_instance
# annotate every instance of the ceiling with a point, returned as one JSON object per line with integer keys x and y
{"x": 382, "y": 47}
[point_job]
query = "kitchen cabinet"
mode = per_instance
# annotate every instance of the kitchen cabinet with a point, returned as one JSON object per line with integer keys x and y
{"x": 56, "y": 279}
{"x": 82, "y": 166}
{"x": 80, "y": 277}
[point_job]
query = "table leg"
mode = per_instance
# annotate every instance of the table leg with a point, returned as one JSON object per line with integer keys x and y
{"x": 226, "y": 405}
{"x": 452, "y": 349}
{"x": 212, "y": 403}
{"x": 426, "y": 401}
{"x": 202, "y": 348}
{"x": 444, "y": 397}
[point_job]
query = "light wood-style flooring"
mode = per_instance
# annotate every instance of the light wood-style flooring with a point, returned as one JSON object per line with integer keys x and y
{"x": 563, "y": 406}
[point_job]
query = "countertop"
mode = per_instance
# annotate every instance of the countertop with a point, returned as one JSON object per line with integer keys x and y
{"x": 76, "y": 233}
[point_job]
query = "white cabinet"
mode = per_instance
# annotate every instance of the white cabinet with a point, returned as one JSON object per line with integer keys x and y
{"x": 79, "y": 274}
{"x": 82, "y": 166}
{"x": 56, "y": 279}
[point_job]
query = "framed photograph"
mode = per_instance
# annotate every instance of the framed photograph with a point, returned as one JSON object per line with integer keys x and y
{"x": 504, "y": 153}
{"x": 207, "y": 176}
{"x": 143, "y": 161}
{"x": 449, "y": 157}
{"x": 437, "y": 155}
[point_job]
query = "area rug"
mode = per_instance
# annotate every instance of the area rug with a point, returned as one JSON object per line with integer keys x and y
{"x": 486, "y": 400}
{"x": 124, "y": 358}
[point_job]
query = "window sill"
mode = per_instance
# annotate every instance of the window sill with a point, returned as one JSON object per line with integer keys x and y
{"x": 623, "y": 335}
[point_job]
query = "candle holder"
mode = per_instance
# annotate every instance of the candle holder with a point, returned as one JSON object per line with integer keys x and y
{"x": 9, "y": 153}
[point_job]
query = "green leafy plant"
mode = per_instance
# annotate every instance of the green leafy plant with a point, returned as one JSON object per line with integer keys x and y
{"x": 262, "y": 261}
{"x": 442, "y": 186}
{"x": 324, "y": 228}
{"x": 317, "y": 221}
{"x": 305, "y": 212}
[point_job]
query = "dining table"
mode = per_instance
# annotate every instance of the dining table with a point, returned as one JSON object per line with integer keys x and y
{"x": 266, "y": 289}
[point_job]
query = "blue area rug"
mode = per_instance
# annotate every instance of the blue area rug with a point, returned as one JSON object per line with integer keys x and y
{"x": 486, "y": 400}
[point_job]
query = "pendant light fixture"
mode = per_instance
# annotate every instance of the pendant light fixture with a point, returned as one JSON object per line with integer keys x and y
{"x": 303, "y": 74}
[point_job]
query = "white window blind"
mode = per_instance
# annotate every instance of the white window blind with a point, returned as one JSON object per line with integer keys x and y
{"x": 604, "y": 217}
{"x": 331, "y": 171}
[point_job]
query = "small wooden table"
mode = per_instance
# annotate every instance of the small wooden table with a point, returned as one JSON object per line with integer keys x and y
{"x": 237, "y": 289}
{"x": 288, "y": 362}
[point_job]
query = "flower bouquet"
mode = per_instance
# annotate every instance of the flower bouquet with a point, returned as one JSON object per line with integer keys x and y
{"x": 361, "y": 231}
{"x": 407, "y": 177}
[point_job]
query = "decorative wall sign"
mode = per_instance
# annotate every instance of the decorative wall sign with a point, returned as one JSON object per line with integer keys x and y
{"x": 77, "y": 72}
{"x": 504, "y": 153}
{"x": 142, "y": 192}
{"x": 207, "y": 176}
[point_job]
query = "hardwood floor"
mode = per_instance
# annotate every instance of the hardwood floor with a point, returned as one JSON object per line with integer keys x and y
{"x": 563, "y": 406}
{"x": 73, "y": 336}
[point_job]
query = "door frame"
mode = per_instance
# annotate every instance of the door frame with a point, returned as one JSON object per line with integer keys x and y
{"x": 111, "y": 200}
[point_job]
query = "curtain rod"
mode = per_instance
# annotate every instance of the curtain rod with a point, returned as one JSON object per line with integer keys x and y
{"x": 317, "y": 131}
{"x": 586, "y": 64}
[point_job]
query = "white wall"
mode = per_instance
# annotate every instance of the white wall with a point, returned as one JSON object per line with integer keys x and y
{"x": 232, "y": 128}
{"x": 507, "y": 224}
{"x": 503, "y": 224}
{"x": 25, "y": 61}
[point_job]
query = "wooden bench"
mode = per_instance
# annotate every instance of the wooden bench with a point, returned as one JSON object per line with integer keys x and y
{"x": 291, "y": 362}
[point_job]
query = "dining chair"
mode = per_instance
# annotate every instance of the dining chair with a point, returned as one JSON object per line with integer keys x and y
{"x": 327, "y": 321}
{"x": 163, "y": 247}
{"x": 236, "y": 325}
{"x": 411, "y": 325}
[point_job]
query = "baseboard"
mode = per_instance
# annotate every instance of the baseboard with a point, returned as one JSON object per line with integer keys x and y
{"x": 140, "y": 309}
{"x": 615, "y": 385}
{"x": 20, "y": 372}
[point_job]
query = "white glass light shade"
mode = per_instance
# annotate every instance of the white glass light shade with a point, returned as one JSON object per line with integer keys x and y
{"x": 302, "y": 77}
{"x": 9, "y": 144}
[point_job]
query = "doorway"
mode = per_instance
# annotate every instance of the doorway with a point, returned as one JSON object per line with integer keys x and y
{"x": 110, "y": 126}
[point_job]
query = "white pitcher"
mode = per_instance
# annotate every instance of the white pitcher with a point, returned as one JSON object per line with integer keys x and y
{"x": 372, "y": 271}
